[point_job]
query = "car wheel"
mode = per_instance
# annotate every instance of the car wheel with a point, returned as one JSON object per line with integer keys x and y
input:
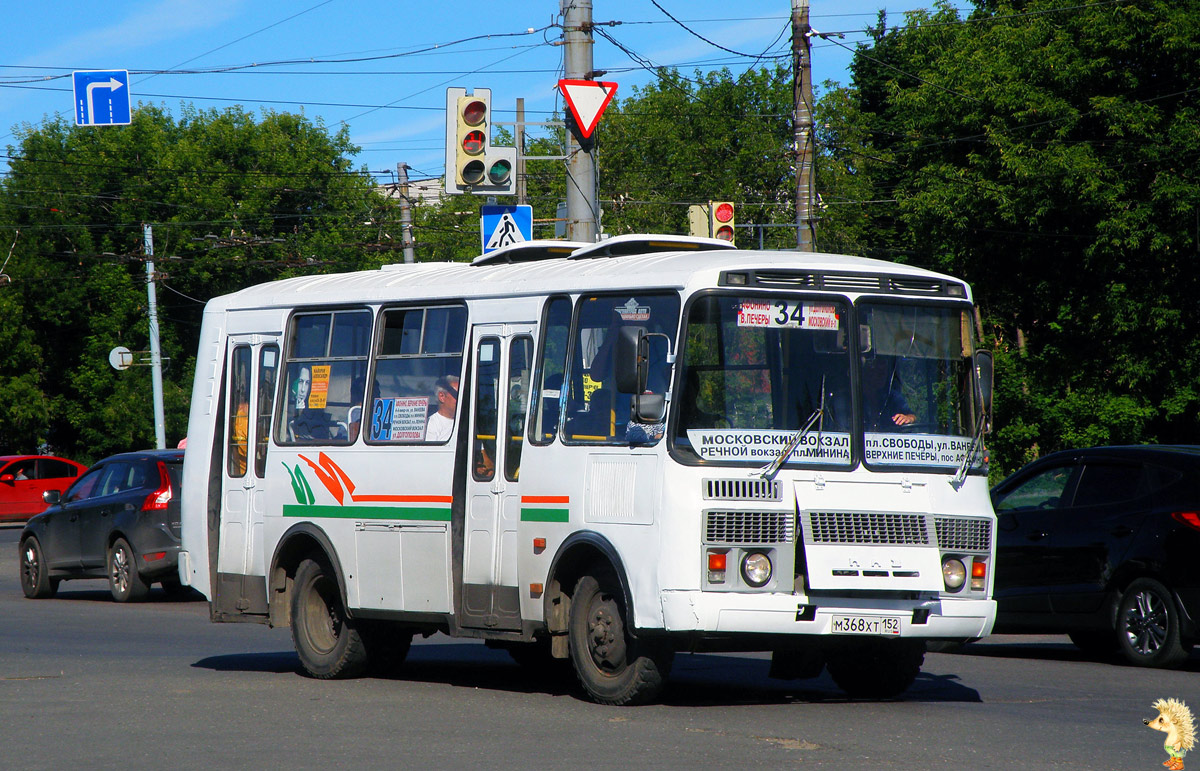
{"x": 328, "y": 643}
{"x": 35, "y": 575}
{"x": 123, "y": 579}
{"x": 613, "y": 667}
{"x": 1148, "y": 626}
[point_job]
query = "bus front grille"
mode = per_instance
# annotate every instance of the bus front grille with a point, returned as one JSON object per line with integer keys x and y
{"x": 963, "y": 534}
{"x": 859, "y": 528}
{"x": 749, "y": 527}
{"x": 743, "y": 490}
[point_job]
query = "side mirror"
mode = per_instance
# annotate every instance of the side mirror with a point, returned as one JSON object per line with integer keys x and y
{"x": 985, "y": 371}
{"x": 7, "y": 478}
{"x": 51, "y": 497}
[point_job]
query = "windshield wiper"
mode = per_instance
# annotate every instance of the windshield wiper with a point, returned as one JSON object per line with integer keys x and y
{"x": 960, "y": 476}
{"x": 771, "y": 469}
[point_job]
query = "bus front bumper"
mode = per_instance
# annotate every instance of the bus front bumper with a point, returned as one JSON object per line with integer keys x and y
{"x": 729, "y": 612}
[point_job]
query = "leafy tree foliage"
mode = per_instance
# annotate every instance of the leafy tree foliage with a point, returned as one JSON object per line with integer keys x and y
{"x": 233, "y": 200}
{"x": 1046, "y": 154}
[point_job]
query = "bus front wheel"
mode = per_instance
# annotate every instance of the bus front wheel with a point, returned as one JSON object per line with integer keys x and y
{"x": 326, "y": 640}
{"x": 612, "y": 666}
{"x": 876, "y": 669}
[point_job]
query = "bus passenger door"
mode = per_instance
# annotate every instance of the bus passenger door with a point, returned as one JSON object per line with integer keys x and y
{"x": 250, "y": 376}
{"x": 498, "y": 406}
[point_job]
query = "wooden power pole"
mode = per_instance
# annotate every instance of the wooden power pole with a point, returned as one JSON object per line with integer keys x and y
{"x": 802, "y": 123}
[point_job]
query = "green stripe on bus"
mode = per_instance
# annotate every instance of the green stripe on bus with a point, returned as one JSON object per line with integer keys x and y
{"x": 369, "y": 512}
{"x": 545, "y": 515}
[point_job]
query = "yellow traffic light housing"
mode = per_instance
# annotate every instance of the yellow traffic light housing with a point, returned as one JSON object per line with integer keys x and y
{"x": 472, "y": 164}
{"x": 721, "y": 217}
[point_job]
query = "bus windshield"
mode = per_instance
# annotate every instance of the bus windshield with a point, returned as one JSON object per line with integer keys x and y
{"x": 919, "y": 403}
{"x": 756, "y": 369}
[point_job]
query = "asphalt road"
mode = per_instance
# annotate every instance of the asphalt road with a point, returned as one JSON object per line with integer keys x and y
{"x": 88, "y": 683}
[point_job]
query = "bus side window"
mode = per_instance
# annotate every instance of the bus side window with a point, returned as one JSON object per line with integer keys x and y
{"x": 519, "y": 356}
{"x": 420, "y": 351}
{"x": 549, "y": 389}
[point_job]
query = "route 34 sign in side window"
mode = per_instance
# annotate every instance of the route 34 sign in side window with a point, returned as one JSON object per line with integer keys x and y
{"x": 790, "y": 315}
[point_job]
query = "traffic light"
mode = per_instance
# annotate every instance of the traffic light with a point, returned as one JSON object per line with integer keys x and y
{"x": 472, "y": 164}
{"x": 721, "y": 220}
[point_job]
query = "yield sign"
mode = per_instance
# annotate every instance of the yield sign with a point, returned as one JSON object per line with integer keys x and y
{"x": 587, "y": 100}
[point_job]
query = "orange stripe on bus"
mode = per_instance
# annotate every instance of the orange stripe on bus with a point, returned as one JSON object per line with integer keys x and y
{"x": 545, "y": 499}
{"x": 403, "y": 498}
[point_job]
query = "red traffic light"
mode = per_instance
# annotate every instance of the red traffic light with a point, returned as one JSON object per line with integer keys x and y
{"x": 724, "y": 213}
{"x": 473, "y": 143}
{"x": 474, "y": 112}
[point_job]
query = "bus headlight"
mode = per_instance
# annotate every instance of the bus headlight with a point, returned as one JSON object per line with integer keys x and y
{"x": 954, "y": 573}
{"x": 756, "y": 568}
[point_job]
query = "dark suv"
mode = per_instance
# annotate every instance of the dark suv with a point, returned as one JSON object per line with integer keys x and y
{"x": 119, "y": 521}
{"x": 1101, "y": 544}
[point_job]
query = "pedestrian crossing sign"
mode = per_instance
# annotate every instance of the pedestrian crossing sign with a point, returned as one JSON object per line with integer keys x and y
{"x": 501, "y": 226}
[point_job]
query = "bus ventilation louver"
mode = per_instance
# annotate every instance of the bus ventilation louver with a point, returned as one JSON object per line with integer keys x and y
{"x": 859, "y": 528}
{"x": 749, "y": 527}
{"x": 743, "y": 490}
{"x": 958, "y": 534}
{"x": 851, "y": 282}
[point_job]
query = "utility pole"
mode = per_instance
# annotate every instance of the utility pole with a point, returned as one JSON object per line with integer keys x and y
{"x": 522, "y": 194}
{"x": 160, "y": 428}
{"x": 406, "y": 239}
{"x": 802, "y": 123}
{"x": 582, "y": 206}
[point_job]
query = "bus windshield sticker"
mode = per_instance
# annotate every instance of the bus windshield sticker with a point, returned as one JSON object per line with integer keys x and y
{"x": 399, "y": 419}
{"x": 632, "y": 311}
{"x": 788, "y": 315}
{"x": 762, "y": 445}
{"x": 319, "y": 396}
{"x": 918, "y": 449}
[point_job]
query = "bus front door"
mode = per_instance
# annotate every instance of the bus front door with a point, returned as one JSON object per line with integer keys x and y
{"x": 251, "y": 370}
{"x": 497, "y": 409}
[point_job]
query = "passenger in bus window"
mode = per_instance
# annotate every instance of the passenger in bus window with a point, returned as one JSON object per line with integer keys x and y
{"x": 354, "y": 414}
{"x": 440, "y": 425}
{"x": 884, "y": 404}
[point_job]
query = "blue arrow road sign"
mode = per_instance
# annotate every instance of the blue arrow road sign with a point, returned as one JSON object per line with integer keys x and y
{"x": 101, "y": 97}
{"x": 505, "y": 225}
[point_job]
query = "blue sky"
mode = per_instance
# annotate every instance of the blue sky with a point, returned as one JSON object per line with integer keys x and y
{"x": 392, "y": 98}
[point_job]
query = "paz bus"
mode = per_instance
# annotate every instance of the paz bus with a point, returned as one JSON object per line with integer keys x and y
{"x": 605, "y": 453}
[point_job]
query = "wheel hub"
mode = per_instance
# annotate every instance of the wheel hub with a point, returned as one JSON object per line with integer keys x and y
{"x": 606, "y": 637}
{"x": 1145, "y": 624}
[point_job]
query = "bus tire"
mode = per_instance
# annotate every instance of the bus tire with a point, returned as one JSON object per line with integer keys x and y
{"x": 612, "y": 666}
{"x": 327, "y": 642}
{"x": 876, "y": 669}
{"x": 36, "y": 582}
{"x": 124, "y": 582}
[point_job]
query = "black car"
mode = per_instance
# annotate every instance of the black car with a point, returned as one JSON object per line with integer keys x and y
{"x": 119, "y": 521}
{"x": 1101, "y": 544}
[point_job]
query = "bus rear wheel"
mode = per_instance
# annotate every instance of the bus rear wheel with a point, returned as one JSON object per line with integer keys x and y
{"x": 329, "y": 645}
{"x": 876, "y": 669}
{"x": 613, "y": 667}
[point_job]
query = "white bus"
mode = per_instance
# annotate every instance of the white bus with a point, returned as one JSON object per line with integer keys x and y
{"x": 605, "y": 454}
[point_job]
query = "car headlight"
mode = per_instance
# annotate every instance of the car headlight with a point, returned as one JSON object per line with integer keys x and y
{"x": 954, "y": 573}
{"x": 756, "y": 568}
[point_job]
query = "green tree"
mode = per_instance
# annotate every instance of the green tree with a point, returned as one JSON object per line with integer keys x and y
{"x": 1047, "y": 155}
{"x": 233, "y": 200}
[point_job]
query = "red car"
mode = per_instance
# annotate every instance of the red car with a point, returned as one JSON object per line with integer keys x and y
{"x": 23, "y": 479}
